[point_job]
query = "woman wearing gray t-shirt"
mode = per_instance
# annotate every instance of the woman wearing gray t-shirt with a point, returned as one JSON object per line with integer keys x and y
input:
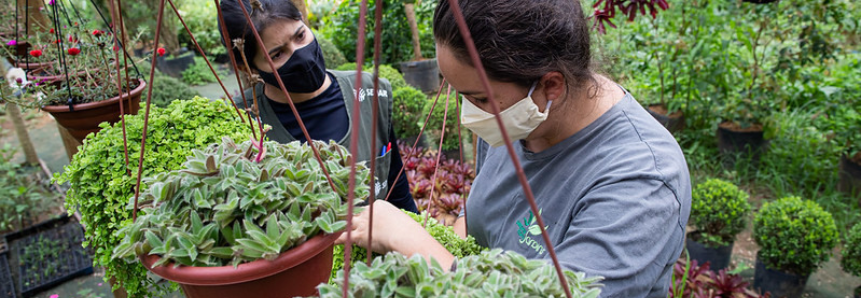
{"x": 611, "y": 183}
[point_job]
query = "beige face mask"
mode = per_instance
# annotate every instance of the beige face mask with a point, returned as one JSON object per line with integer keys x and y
{"x": 520, "y": 120}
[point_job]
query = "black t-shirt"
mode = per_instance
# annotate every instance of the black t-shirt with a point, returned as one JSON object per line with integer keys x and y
{"x": 325, "y": 117}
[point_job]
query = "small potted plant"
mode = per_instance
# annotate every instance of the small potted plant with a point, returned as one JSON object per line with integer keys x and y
{"x": 845, "y": 123}
{"x": 851, "y": 261}
{"x": 245, "y": 220}
{"x": 407, "y": 115}
{"x": 795, "y": 236}
{"x": 718, "y": 212}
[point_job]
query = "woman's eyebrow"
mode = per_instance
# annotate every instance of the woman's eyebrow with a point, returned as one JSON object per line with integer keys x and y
{"x": 274, "y": 49}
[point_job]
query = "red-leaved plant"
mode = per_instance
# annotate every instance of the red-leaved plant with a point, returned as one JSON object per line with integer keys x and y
{"x": 452, "y": 185}
{"x": 691, "y": 280}
{"x": 605, "y": 10}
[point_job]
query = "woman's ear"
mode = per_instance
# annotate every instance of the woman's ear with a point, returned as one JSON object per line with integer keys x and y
{"x": 552, "y": 85}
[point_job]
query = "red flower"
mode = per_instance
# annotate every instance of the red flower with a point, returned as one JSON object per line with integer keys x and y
{"x": 116, "y": 48}
{"x": 160, "y": 52}
{"x": 97, "y": 33}
{"x": 74, "y": 51}
{"x": 36, "y": 53}
{"x": 72, "y": 39}
{"x": 57, "y": 41}
{"x": 51, "y": 31}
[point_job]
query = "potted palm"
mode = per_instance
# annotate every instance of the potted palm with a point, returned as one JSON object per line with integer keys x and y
{"x": 256, "y": 219}
{"x": 795, "y": 236}
{"x": 718, "y": 212}
{"x": 851, "y": 261}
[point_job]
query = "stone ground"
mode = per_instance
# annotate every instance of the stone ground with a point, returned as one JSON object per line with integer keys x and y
{"x": 828, "y": 282}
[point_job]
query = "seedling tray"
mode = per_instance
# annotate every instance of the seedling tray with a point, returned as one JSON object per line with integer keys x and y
{"x": 7, "y": 286}
{"x": 48, "y": 254}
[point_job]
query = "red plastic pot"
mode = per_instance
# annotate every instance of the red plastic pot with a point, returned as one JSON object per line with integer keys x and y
{"x": 85, "y": 118}
{"x": 296, "y": 272}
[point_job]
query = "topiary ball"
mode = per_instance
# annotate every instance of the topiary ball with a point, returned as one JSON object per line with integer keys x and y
{"x": 794, "y": 235}
{"x": 719, "y": 211}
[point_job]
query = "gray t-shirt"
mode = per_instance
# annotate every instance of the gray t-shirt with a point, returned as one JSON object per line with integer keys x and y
{"x": 615, "y": 197}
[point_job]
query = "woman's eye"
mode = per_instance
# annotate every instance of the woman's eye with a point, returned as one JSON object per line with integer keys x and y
{"x": 277, "y": 55}
{"x": 301, "y": 35}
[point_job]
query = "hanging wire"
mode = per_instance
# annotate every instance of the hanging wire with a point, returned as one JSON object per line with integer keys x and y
{"x": 421, "y": 132}
{"x": 146, "y": 113}
{"x": 121, "y": 92}
{"x": 124, "y": 41}
{"x": 59, "y": 3}
{"x": 378, "y": 29}
{"x": 120, "y": 44}
{"x": 527, "y": 190}
{"x": 26, "y": 32}
{"x": 438, "y": 155}
{"x": 17, "y": 38}
{"x": 354, "y": 142}
{"x": 229, "y": 44}
{"x": 202, "y": 53}
{"x": 58, "y": 33}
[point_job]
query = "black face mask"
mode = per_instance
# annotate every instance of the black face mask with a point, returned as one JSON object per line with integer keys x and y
{"x": 304, "y": 72}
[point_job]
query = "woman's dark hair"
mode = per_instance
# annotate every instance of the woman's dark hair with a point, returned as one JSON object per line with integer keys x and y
{"x": 519, "y": 41}
{"x": 268, "y": 12}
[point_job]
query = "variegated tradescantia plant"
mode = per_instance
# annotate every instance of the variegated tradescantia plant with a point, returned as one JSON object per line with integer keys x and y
{"x": 240, "y": 203}
{"x": 492, "y": 273}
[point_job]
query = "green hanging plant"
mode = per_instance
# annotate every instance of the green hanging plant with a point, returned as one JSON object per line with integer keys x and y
{"x": 100, "y": 183}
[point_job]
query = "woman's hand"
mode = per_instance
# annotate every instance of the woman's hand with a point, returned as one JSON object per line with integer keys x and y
{"x": 389, "y": 222}
{"x": 396, "y": 231}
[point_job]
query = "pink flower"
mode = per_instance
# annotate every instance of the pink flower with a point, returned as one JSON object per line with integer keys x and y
{"x": 52, "y": 2}
{"x": 55, "y": 295}
{"x": 12, "y": 43}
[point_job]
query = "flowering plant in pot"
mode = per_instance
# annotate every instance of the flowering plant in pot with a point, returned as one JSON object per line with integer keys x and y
{"x": 83, "y": 91}
{"x": 795, "y": 236}
{"x": 251, "y": 219}
{"x": 718, "y": 212}
{"x": 851, "y": 261}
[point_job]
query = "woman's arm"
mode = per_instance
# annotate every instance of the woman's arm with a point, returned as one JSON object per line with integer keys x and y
{"x": 396, "y": 231}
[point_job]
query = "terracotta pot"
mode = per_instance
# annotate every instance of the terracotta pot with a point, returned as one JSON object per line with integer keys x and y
{"x": 34, "y": 65}
{"x": 673, "y": 122}
{"x": 85, "y": 118}
{"x": 850, "y": 177}
{"x": 296, "y": 272}
{"x": 747, "y": 144}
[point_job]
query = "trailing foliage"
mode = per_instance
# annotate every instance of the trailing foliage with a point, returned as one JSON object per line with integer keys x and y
{"x": 445, "y": 235}
{"x": 794, "y": 235}
{"x": 851, "y": 261}
{"x": 21, "y": 198}
{"x": 101, "y": 183}
{"x": 718, "y": 212}
{"x": 232, "y": 204}
{"x": 490, "y": 274}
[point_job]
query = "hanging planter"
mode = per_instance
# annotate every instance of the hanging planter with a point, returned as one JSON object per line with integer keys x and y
{"x": 296, "y": 272}
{"x": 83, "y": 119}
{"x": 207, "y": 230}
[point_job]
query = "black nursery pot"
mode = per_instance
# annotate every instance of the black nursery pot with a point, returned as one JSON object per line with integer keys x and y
{"x": 850, "y": 177}
{"x": 778, "y": 283}
{"x": 174, "y": 65}
{"x": 673, "y": 122}
{"x": 748, "y": 145}
{"x": 718, "y": 257}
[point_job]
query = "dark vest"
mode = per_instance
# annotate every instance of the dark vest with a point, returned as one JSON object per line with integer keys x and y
{"x": 347, "y": 81}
